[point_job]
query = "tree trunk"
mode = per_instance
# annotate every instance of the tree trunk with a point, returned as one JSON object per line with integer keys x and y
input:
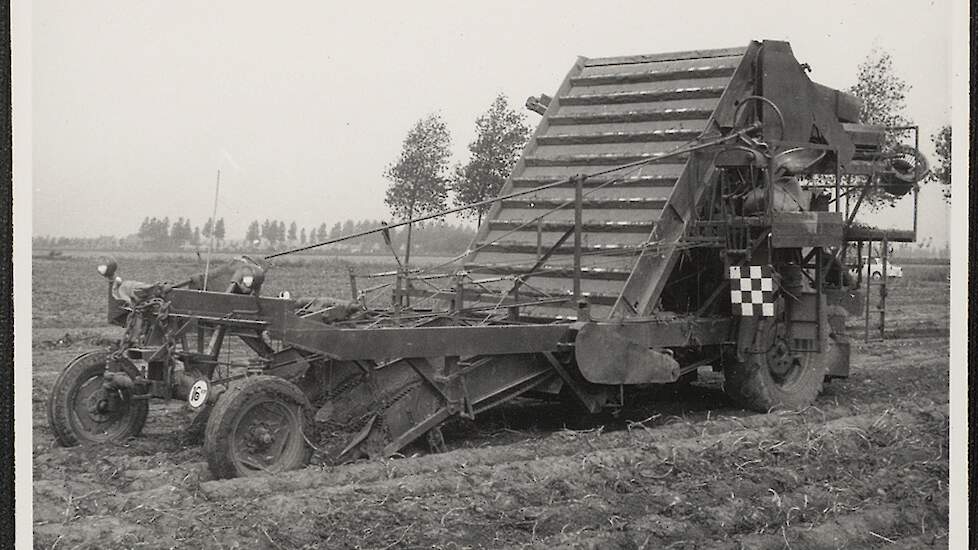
{"x": 407, "y": 247}
{"x": 407, "y": 262}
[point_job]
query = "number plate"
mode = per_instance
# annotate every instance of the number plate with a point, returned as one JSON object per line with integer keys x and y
{"x": 198, "y": 394}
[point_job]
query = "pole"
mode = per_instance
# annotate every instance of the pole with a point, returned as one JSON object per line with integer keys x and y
{"x": 210, "y": 248}
{"x": 838, "y": 187}
{"x": 407, "y": 262}
{"x": 916, "y": 189}
{"x": 578, "y": 224}
{"x": 885, "y": 254}
{"x": 769, "y": 190}
{"x": 539, "y": 238}
{"x": 869, "y": 284}
{"x": 353, "y": 284}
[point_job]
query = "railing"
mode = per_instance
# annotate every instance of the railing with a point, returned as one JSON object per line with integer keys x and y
{"x": 404, "y": 277}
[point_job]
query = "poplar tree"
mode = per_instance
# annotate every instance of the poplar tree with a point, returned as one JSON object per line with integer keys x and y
{"x": 419, "y": 177}
{"x": 500, "y": 135}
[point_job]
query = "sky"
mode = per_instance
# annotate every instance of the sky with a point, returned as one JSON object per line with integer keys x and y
{"x": 136, "y": 106}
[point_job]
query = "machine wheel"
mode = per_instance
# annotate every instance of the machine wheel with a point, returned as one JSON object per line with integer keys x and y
{"x": 256, "y": 427}
{"x": 877, "y": 275}
{"x": 80, "y": 410}
{"x": 772, "y": 376}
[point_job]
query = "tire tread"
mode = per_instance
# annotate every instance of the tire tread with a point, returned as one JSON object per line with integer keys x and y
{"x": 218, "y": 433}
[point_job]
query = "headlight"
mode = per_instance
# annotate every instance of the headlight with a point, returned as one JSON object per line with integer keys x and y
{"x": 106, "y": 267}
{"x": 248, "y": 279}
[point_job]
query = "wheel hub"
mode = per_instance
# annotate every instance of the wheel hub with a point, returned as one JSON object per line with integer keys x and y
{"x": 101, "y": 405}
{"x": 261, "y": 437}
{"x": 263, "y": 434}
{"x": 781, "y": 359}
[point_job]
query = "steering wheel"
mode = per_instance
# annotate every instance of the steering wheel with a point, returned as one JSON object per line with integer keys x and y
{"x": 753, "y": 141}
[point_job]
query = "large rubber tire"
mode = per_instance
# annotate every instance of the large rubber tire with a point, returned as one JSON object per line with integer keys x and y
{"x": 77, "y": 388}
{"x": 256, "y": 427}
{"x": 877, "y": 275}
{"x": 754, "y": 384}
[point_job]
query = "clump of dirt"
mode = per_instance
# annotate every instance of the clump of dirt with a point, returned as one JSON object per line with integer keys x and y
{"x": 86, "y": 339}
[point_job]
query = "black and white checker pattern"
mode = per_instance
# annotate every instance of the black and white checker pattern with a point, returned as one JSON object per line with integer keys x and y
{"x": 752, "y": 290}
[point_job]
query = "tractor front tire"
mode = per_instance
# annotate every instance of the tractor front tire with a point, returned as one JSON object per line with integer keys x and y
{"x": 80, "y": 411}
{"x": 256, "y": 427}
{"x": 771, "y": 376}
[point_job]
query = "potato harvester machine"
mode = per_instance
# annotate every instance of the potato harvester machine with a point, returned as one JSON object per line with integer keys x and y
{"x": 670, "y": 212}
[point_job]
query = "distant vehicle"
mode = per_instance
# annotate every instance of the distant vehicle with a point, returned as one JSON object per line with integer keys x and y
{"x": 874, "y": 269}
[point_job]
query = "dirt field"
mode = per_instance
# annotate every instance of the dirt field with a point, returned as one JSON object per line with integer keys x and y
{"x": 865, "y": 467}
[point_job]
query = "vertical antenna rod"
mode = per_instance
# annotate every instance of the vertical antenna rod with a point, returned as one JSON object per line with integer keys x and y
{"x": 210, "y": 248}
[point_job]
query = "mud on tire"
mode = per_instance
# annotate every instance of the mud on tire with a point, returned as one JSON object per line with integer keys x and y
{"x": 256, "y": 427}
{"x": 74, "y": 398}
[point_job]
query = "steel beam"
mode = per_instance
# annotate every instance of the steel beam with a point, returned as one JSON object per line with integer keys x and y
{"x": 385, "y": 343}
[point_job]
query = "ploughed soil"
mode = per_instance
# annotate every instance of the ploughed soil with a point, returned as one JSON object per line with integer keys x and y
{"x": 866, "y": 466}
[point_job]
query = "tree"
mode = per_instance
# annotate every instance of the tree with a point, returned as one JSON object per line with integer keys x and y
{"x": 196, "y": 238}
{"x": 293, "y": 229}
{"x": 500, "y": 135}
{"x": 186, "y": 232}
{"x": 219, "y": 229}
{"x": 419, "y": 184}
{"x": 164, "y": 231}
{"x": 180, "y": 232}
{"x": 208, "y": 227}
{"x": 272, "y": 234}
{"x": 942, "y": 172}
{"x": 302, "y": 236}
{"x": 883, "y": 94}
{"x": 145, "y": 229}
{"x": 155, "y": 232}
{"x": 254, "y": 232}
{"x": 175, "y": 231}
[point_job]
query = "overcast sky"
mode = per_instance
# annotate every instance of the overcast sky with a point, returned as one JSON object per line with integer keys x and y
{"x": 136, "y": 105}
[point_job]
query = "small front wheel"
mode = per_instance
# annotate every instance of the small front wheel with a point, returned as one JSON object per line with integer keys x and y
{"x": 256, "y": 427}
{"x": 81, "y": 409}
{"x": 877, "y": 275}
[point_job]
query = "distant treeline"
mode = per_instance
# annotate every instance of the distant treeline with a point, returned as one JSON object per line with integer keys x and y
{"x": 432, "y": 239}
{"x": 161, "y": 234}
{"x": 429, "y": 238}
